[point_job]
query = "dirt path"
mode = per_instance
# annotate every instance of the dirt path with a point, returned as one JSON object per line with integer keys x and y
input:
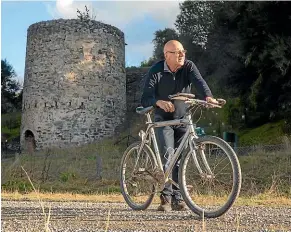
{"x": 86, "y": 216}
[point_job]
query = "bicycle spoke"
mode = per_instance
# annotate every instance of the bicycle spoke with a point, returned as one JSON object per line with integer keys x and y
{"x": 223, "y": 168}
{"x": 211, "y": 190}
{"x": 138, "y": 185}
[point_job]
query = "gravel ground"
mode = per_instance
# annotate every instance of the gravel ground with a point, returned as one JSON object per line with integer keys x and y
{"x": 86, "y": 216}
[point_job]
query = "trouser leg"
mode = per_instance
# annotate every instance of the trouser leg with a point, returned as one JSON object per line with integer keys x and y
{"x": 165, "y": 139}
{"x": 178, "y": 134}
{"x": 168, "y": 139}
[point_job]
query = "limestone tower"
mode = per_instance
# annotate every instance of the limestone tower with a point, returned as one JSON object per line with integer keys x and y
{"x": 74, "y": 84}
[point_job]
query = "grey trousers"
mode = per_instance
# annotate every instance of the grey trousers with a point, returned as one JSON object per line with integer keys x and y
{"x": 168, "y": 139}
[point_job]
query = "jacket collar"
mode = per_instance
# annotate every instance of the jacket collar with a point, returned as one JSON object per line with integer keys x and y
{"x": 166, "y": 67}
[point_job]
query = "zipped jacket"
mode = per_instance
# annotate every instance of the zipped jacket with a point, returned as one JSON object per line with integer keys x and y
{"x": 161, "y": 82}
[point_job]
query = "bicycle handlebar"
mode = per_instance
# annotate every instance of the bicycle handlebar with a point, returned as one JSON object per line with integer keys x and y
{"x": 189, "y": 98}
{"x": 205, "y": 103}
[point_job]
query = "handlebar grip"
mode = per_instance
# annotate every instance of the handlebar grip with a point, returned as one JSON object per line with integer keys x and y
{"x": 221, "y": 101}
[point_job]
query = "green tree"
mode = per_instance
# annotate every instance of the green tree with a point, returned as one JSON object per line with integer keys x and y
{"x": 11, "y": 95}
{"x": 147, "y": 63}
{"x": 161, "y": 38}
{"x": 267, "y": 51}
{"x": 250, "y": 55}
{"x": 195, "y": 20}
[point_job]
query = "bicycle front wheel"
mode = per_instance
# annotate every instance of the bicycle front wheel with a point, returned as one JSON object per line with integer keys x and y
{"x": 138, "y": 183}
{"x": 210, "y": 177}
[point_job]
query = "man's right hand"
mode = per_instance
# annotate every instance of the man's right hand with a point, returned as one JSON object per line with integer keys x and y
{"x": 167, "y": 106}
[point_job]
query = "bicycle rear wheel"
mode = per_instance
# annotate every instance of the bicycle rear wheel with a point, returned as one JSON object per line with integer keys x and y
{"x": 138, "y": 183}
{"x": 210, "y": 177}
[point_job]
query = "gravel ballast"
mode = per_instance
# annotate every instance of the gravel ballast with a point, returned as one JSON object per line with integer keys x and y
{"x": 87, "y": 216}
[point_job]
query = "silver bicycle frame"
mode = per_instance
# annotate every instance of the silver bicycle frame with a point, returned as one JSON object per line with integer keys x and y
{"x": 187, "y": 137}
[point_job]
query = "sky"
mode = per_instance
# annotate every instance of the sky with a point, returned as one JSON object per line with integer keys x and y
{"x": 137, "y": 19}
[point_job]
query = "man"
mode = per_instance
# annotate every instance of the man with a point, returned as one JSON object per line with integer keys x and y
{"x": 172, "y": 75}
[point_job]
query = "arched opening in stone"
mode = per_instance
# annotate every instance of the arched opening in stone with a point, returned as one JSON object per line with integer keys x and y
{"x": 29, "y": 141}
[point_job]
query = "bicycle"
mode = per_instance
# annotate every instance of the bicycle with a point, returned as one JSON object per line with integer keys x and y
{"x": 142, "y": 174}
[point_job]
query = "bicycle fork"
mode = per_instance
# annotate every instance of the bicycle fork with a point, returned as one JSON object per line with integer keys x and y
{"x": 200, "y": 148}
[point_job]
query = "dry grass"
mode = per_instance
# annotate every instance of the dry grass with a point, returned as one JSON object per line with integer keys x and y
{"x": 257, "y": 200}
{"x": 74, "y": 172}
{"x": 46, "y": 216}
{"x": 66, "y": 170}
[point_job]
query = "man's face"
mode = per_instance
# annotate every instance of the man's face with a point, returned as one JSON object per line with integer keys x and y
{"x": 175, "y": 54}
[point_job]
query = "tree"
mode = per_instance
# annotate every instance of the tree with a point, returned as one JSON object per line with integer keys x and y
{"x": 194, "y": 24}
{"x": 161, "y": 38}
{"x": 85, "y": 15}
{"x": 253, "y": 54}
{"x": 147, "y": 63}
{"x": 267, "y": 51}
{"x": 195, "y": 20}
{"x": 10, "y": 88}
{"x": 243, "y": 50}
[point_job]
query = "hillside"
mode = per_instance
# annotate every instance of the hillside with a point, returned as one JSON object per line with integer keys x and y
{"x": 270, "y": 133}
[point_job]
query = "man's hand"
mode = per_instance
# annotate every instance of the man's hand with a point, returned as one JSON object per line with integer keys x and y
{"x": 167, "y": 106}
{"x": 212, "y": 100}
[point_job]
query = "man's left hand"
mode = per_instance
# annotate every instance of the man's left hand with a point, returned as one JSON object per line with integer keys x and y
{"x": 212, "y": 100}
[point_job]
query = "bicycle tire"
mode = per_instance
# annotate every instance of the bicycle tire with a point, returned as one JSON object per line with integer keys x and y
{"x": 127, "y": 197}
{"x": 236, "y": 175}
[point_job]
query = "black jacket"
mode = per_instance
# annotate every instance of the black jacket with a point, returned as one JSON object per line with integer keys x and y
{"x": 161, "y": 82}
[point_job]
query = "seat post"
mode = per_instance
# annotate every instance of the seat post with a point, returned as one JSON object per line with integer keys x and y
{"x": 149, "y": 119}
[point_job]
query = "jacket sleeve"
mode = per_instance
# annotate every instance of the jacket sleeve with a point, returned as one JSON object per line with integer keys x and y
{"x": 148, "y": 97}
{"x": 199, "y": 83}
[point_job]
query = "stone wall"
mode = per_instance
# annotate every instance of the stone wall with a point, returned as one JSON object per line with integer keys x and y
{"x": 135, "y": 78}
{"x": 74, "y": 83}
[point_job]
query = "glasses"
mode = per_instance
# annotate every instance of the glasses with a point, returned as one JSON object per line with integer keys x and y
{"x": 178, "y": 52}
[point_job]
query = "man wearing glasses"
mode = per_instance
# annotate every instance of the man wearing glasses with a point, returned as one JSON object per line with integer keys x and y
{"x": 174, "y": 74}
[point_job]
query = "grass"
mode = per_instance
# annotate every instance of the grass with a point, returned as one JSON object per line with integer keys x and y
{"x": 270, "y": 133}
{"x": 10, "y": 125}
{"x": 75, "y": 170}
{"x": 266, "y": 199}
{"x": 72, "y": 169}
{"x": 5, "y": 118}
{"x": 10, "y": 133}
{"x": 69, "y": 176}
{"x": 94, "y": 169}
{"x": 266, "y": 172}
{"x": 46, "y": 216}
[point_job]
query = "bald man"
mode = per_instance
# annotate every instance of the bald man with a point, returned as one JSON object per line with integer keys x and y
{"x": 174, "y": 74}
